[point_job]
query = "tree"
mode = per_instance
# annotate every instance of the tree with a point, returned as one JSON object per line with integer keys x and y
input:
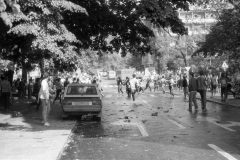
{"x": 124, "y": 20}
{"x": 224, "y": 36}
{"x": 38, "y": 34}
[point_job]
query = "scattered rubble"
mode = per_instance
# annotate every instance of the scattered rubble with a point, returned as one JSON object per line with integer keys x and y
{"x": 155, "y": 114}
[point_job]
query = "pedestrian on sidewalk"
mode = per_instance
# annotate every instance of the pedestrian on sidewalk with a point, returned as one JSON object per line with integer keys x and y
{"x": 214, "y": 83}
{"x": 171, "y": 83}
{"x": 202, "y": 89}
{"x": 193, "y": 92}
{"x": 119, "y": 84}
{"x": 99, "y": 86}
{"x": 223, "y": 82}
{"x": 134, "y": 85}
{"x": 22, "y": 89}
{"x": 45, "y": 99}
{"x": 5, "y": 89}
{"x": 148, "y": 85}
{"x": 185, "y": 86}
{"x": 66, "y": 82}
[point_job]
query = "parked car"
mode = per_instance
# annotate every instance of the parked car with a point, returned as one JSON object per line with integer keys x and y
{"x": 82, "y": 99}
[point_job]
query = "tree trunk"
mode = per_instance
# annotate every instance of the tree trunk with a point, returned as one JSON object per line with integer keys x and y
{"x": 24, "y": 72}
{"x": 41, "y": 65}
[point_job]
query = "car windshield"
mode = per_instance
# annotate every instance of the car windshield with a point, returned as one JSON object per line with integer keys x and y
{"x": 81, "y": 90}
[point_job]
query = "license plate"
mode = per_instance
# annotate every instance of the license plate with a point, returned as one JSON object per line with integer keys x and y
{"x": 81, "y": 103}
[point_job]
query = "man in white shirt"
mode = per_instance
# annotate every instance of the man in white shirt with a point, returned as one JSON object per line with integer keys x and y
{"x": 133, "y": 84}
{"x": 44, "y": 98}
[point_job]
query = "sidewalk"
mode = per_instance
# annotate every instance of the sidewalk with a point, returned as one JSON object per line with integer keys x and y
{"x": 25, "y": 137}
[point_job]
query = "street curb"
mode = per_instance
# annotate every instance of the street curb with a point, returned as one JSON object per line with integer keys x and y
{"x": 61, "y": 151}
{"x": 221, "y": 103}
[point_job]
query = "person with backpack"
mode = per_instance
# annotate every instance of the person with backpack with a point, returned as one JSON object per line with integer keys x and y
{"x": 223, "y": 82}
{"x": 214, "y": 83}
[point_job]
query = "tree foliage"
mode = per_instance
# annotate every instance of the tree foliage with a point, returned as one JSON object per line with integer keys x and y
{"x": 124, "y": 21}
{"x": 224, "y": 36}
{"x": 38, "y": 33}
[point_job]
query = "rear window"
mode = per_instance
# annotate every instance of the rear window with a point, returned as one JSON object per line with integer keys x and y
{"x": 81, "y": 90}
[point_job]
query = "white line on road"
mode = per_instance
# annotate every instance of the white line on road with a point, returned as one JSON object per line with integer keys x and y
{"x": 222, "y": 152}
{"x": 139, "y": 125}
{"x": 176, "y": 123}
{"x": 142, "y": 130}
{"x": 225, "y": 126}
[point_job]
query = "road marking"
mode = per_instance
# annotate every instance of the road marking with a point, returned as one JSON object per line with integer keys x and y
{"x": 176, "y": 123}
{"x": 222, "y": 152}
{"x": 225, "y": 126}
{"x": 140, "y": 126}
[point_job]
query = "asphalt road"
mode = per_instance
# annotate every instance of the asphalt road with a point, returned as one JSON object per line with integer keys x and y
{"x": 155, "y": 126}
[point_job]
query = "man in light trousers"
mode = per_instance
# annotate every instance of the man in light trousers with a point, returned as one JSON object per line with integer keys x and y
{"x": 193, "y": 91}
{"x": 44, "y": 98}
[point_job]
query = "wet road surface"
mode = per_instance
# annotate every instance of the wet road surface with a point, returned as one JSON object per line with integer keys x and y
{"x": 155, "y": 126}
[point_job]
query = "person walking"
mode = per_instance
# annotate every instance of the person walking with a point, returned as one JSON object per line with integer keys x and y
{"x": 99, "y": 86}
{"x": 171, "y": 83}
{"x": 119, "y": 84}
{"x": 148, "y": 85}
{"x": 128, "y": 87}
{"x": 59, "y": 87}
{"x": 45, "y": 99}
{"x": 223, "y": 82}
{"x": 202, "y": 89}
{"x": 163, "y": 83}
{"x": 134, "y": 85}
{"x": 5, "y": 89}
{"x": 140, "y": 86}
{"x": 155, "y": 85}
{"x": 214, "y": 84}
{"x": 185, "y": 86}
{"x": 192, "y": 92}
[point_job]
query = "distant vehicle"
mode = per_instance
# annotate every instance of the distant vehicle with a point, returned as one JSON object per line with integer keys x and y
{"x": 111, "y": 75}
{"x": 104, "y": 74}
{"x": 82, "y": 99}
{"x": 123, "y": 73}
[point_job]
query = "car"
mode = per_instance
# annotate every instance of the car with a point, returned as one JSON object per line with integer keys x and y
{"x": 82, "y": 99}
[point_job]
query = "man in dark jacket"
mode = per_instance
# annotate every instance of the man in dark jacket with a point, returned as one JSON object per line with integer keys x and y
{"x": 202, "y": 89}
{"x": 193, "y": 91}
